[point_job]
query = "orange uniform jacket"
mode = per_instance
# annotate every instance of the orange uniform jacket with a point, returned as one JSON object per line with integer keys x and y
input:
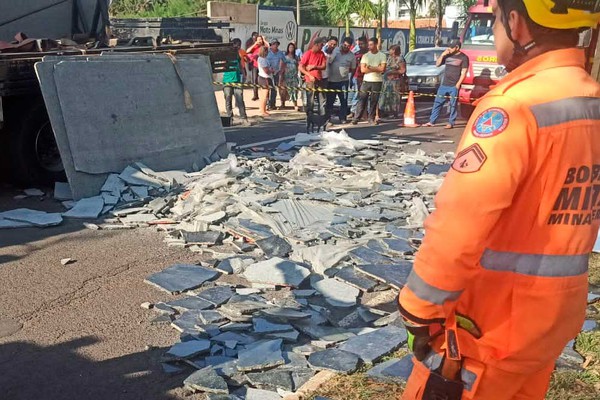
{"x": 516, "y": 218}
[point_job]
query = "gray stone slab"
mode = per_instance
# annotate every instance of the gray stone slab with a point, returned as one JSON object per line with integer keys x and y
{"x": 172, "y": 369}
{"x": 207, "y": 380}
{"x": 217, "y": 295}
{"x": 593, "y": 297}
{"x": 285, "y": 314}
{"x": 413, "y": 169}
{"x": 396, "y": 370}
{"x": 62, "y": 191}
{"x": 209, "y": 317}
{"x": 234, "y": 265}
{"x": 589, "y": 325}
{"x": 236, "y": 327}
{"x": 8, "y": 224}
{"x": 88, "y": 208}
{"x": 337, "y": 293}
{"x": 437, "y": 169}
{"x": 394, "y": 275}
{"x": 271, "y": 380}
{"x": 399, "y": 246}
{"x": 305, "y": 349}
{"x": 334, "y": 360}
{"x": 33, "y": 217}
{"x": 354, "y": 278}
{"x": 399, "y": 232}
{"x": 262, "y": 325}
{"x": 232, "y": 336}
{"x": 259, "y": 394}
{"x": 370, "y": 315}
{"x": 189, "y": 349}
{"x": 189, "y": 303}
{"x": 300, "y": 377}
{"x": 181, "y": 277}
{"x": 570, "y": 359}
{"x": 261, "y": 356}
{"x": 277, "y": 271}
{"x": 242, "y": 308}
{"x": 323, "y": 333}
{"x": 223, "y": 366}
{"x": 303, "y": 292}
{"x": 209, "y": 238}
{"x": 364, "y": 255}
{"x": 287, "y": 336}
{"x": 371, "y": 347}
{"x": 388, "y": 319}
{"x": 248, "y": 229}
{"x": 274, "y": 246}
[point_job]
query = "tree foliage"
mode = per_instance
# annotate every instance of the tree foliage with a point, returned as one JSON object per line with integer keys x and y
{"x": 343, "y": 11}
{"x": 413, "y": 6}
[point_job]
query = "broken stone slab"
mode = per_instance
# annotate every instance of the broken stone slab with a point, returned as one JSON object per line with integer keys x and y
{"x": 62, "y": 191}
{"x": 140, "y": 191}
{"x": 130, "y": 210}
{"x": 211, "y": 317}
{"x": 88, "y": 208}
{"x": 370, "y": 315}
{"x": 133, "y": 219}
{"x": 589, "y": 325}
{"x": 328, "y": 334}
{"x": 33, "y": 217}
{"x": 181, "y": 277}
{"x": 8, "y": 224}
{"x": 399, "y": 246}
{"x": 337, "y": 293}
{"x": 277, "y": 271}
{"x": 305, "y": 350}
{"x": 259, "y": 394}
{"x": 33, "y": 192}
{"x": 274, "y": 246}
{"x": 242, "y": 308}
{"x": 172, "y": 369}
{"x": 365, "y": 255}
{"x": 285, "y": 314}
{"x": 207, "y": 380}
{"x": 396, "y": 370}
{"x": 354, "y": 278}
{"x": 271, "y": 380}
{"x": 570, "y": 359}
{"x": 334, "y": 360}
{"x": 189, "y": 303}
{"x": 209, "y": 238}
{"x": 212, "y": 218}
{"x": 233, "y": 337}
{"x": 261, "y": 356}
{"x": 262, "y": 325}
{"x": 217, "y": 295}
{"x": 371, "y": 347}
{"x": 303, "y": 292}
{"x": 592, "y": 298}
{"x": 135, "y": 177}
{"x": 189, "y": 349}
{"x": 234, "y": 265}
{"x": 413, "y": 169}
{"x": 248, "y": 229}
{"x": 394, "y": 275}
{"x": 67, "y": 261}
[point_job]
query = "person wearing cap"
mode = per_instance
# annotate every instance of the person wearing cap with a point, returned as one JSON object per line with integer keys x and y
{"x": 456, "y": 64}
{"x": 276, "y": 60}
{"x": 312, "y": 65}
{"x": 499, "y": 286}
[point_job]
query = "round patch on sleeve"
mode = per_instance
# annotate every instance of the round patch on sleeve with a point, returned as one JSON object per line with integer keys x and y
{"x": 490, "y": 123}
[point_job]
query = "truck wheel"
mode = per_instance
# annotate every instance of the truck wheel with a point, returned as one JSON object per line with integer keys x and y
{"x": 466, "y": 110}
{"x": 35, "y": 156}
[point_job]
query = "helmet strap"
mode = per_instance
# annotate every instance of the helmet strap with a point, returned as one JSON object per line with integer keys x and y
{"x": 519, "y": 51}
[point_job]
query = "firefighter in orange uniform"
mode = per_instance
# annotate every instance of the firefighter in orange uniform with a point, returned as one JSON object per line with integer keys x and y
{"x": 499, "y": 285}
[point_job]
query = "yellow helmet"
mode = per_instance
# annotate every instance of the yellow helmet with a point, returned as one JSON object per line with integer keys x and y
{"x": 564, "y": 14}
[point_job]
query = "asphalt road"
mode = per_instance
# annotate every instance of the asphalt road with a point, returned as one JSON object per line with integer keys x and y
{"x": 84, "y": 334}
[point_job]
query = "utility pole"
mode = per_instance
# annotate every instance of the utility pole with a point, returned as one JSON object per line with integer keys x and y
{"x": 298, "y": 12}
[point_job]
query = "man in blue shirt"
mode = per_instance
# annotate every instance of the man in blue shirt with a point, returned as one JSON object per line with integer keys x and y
{"x": 276, "y": 60}
{"x": 235, "y": 76}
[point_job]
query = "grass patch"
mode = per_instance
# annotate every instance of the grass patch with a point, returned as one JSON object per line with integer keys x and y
{"x": 358, "y": 387}
{"x": 574, "y": 385}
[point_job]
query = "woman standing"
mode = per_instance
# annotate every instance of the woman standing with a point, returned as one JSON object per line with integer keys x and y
{"x": 391, "y": 96}
{"x": 290, "y": 77}
{"x": 265, "y": 79}
{"x": 252, "y": 51}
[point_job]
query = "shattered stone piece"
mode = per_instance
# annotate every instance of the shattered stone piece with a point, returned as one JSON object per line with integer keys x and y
{"x": 328, "y": 334}
{"x": 437, "y": 169}
{"x": 33, "y": 217}
{"x": 261, "y": 356}
{"x": 236, "y": 327}
{"x": 277, "y": 271}
{"x": 209, "y": 317}
{"x": 285, "y": 314}
{"x": 274, "y": 246}
{"x": 209, "y": 238}
{"x": 413, "y": 169}
{"x": 163, "y": 319}
{"x": 394, "y": 275}
{"x": 133, "y": 176}
{"x": 287, "y": 336}
{"x": 262, "y": 325}
{"x": 334, "y": 360}
{"x": 570, "y": 359}
{"x": 217, "y": 295}
{"x": 306, "y": 349}
{"x": 133, "y": 219}
{"x": 242, "y": 308}
{"x": 258, "y": 394}
{"x": 207, "y": 380}
{"x": 248, "y": 229}
{"x": 171, "y": 369}
{"x": 162, "y": 308}
{"x": 304, "y": 292}
{"x": 364, "y": 255}
{"x": 589, "y": 325}
{"x": 67, "y": 261}
{"x": 189, "y": 303}
{"x": 398, "y": 246}
{"x": 271, "y": 380}
{"x": 89, "y": 208}
{"x": 140, "y": 191}
{"x": 371, "y": 347}
{"x": 234, "y": 265}
{"x": 354, "y": 278}
{"x": 212, "y": 218}
{"x": 396, "y": 370}
{"x": 370, "y": 315}
{"x": 146, "y": 305}
{"x": 337, "y": 293}
{"x": 233, "y": 337}
{"x": 181, "y": 277}
{"x": 189, "y": 349}
{"x": 592, "y": 298}
{"x": 247, "y": 291}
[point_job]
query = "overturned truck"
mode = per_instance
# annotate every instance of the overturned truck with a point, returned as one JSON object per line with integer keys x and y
{"x": 63, "y": 67}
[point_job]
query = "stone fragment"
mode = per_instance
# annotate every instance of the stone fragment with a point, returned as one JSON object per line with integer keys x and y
{"x": 387, "y": 320}
{"x": 570, "y": 359}
{"x": 370, "y": 315}
{"x": 67, "y": 261}
{"x": 209, "y": 317}
{"x": 247, "y": 291}
{"x": 413, "y": 169}
{"x": 189, "y": 303}
{"x": 209, "y": 238}
{"x": 271, "y": 380}
{"x": 354, "y": 278}
{"x": 88, "y": 208}
{"x": 189, "y": 349}
{"x": 398, "y": 246}
{"x": 163, "y": 319}
{"x": 328, "y": 334}
{"x": 277, "y": 271}
{"x": 234, "y": 265}
{"x": 33, "y": 192}
{"x": 212, "y": 218}
{"x": 207, "y": 380}
{"x": 261, "y": 356}
{"x": 217, "y": 295}
{"x": 26, "y": 216}
{"x": 248, "y": 229}
{"x": 371, "y": 347}
{"x": 258, "y": 394}
{"x": 396, "y": 370}
{"x": 334, "y": 360}
{"x": 592, "y": 298}
{"x": 262, "y": 325}
{"x": 62, "y": 191}
{"x": 136, "y": 219}
{"x": 337, "y": 293}
{"x": 285, "y": 314}
{"x": 394, "y": 275}
{"x": 365, "y": 255}
{"x": 589, "y": 325}
{"x": 171, "y": 369}
{"x": 146, "y": 305}
{"x": 232, "y": 337}
{"x": 437, "y": 169}
{"x": 236, "y": 327}
{"x": 304, "y": 292}
{"x": 274, "y": 246}
{"x": 181, "y": 277}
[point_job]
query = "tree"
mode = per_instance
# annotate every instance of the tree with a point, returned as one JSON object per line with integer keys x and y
{"x": 413, "y": 6}
{"x": 342, "y": 10}
{"x": 439, "y": 9}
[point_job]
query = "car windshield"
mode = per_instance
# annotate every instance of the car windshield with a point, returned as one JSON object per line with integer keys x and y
{"x": 427, "y": 57}
{"x": 479, "y": 31}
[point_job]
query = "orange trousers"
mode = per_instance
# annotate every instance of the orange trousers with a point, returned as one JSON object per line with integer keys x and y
{"x": 493, "y": 384}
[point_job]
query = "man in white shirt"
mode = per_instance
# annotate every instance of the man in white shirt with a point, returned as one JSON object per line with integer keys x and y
{"x": 341, "y": 65}
{"x": 372, "y": 64}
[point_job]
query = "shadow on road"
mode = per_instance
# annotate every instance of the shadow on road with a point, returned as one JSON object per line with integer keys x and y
{"x": 62, "y": 372}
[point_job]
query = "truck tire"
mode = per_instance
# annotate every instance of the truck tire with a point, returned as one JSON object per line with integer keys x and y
{"x": 35, "y": 158}
{"x": 466, "y": 110}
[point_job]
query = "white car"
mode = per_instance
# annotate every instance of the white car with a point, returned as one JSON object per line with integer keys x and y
{"x": 423, "y": 75}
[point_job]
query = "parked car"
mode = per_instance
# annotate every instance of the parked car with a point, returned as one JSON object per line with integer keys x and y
{"x": 423, "y": 75}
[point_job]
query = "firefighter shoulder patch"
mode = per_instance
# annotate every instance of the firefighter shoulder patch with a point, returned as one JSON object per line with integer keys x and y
{"x": 470, "y": 159}
{"x": 490, "y": 123}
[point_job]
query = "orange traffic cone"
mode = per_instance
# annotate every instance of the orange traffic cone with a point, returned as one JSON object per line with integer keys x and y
{"x": 409, "y": 112}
